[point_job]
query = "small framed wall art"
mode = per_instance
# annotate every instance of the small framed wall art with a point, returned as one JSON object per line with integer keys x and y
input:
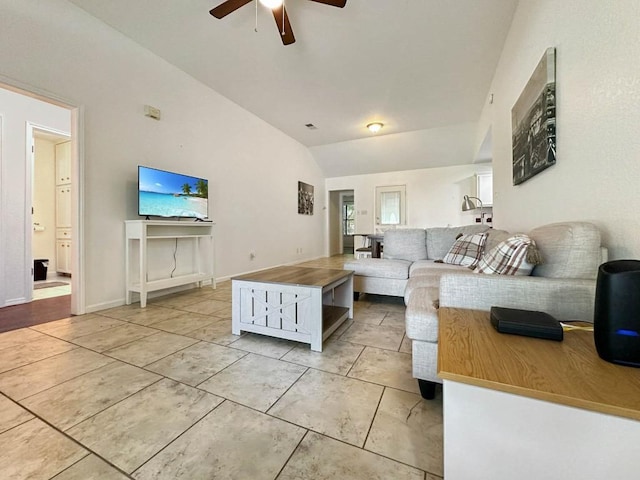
{"x": 533, "y": 122}
{"x": 305, "y": 198}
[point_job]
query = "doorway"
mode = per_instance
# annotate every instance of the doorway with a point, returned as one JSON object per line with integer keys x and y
{"x": 28, "y": 117}
{"x": 51, "y": 212}
{"x": 341, "y": 222}
{"x": 348, "y": 217}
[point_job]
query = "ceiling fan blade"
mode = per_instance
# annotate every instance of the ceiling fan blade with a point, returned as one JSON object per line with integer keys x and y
{"x": 287, "y": 37}
{"x": 225, "y": 8}
{"x": 333, "y": 3}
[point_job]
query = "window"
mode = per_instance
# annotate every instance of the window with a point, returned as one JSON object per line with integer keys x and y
{"x": 391, "y": 205}
{"x": 348, "y": 218}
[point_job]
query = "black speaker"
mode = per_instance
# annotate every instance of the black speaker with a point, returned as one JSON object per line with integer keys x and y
{"x": 616, "y": 321}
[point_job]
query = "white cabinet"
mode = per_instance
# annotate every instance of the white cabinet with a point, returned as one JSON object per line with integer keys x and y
{"x": 63, "y": 163}
{"x": 63, "y": 208}
{"x": 163, "y": 254}
{"x": 484, "y": 188}
{"x": 63, "y": 256}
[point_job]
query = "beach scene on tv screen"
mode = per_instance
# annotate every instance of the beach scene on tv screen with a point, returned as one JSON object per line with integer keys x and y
{"x": 166, "y": 194}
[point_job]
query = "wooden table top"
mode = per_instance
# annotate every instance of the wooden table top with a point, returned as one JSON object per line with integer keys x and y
{"x": 570, "y": 372}
{"x": 309, "y": 277}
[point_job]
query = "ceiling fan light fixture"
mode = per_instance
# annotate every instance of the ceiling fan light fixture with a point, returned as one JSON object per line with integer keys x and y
{"x": 272, "y": 4}
{"x": 375, "y": 127}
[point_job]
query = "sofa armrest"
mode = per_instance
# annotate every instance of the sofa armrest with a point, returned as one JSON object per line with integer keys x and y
{"x": 564, "y": 298}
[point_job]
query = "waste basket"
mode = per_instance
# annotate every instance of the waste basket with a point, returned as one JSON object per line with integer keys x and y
{"x": 40, "y": 269}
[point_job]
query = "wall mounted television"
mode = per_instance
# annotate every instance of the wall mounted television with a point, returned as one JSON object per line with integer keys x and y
{"x": 170, "y": 194}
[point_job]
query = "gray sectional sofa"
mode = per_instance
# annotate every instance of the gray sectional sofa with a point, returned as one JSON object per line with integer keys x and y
{"x": 563, "y": 285}
{"x": 408, "y": 252}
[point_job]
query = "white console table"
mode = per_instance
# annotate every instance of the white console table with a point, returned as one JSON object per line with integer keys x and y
{"x": 139, "y": 263}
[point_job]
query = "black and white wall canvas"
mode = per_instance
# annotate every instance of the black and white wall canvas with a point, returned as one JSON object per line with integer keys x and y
{"x": 533, "y": 122}
{"x": 305, "y": 198}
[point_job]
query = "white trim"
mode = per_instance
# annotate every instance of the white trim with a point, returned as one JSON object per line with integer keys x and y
{"x": 3, "y": 300}
{"x": 78, "y": 282}
{"x": 28, "y": 204}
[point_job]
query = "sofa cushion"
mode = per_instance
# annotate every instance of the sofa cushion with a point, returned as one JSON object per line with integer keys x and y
{"x": 466, "y": 250}
{"x": 494, "y": 237}
{"x": 430, "y": 267}
{"x": 405, "y": 244}
{"x": 380, "y": 267}
{"x": 508, "y": 257}
{"x": 569, "y": 250}
{"x": 421, "y": 316}
{"x": 440, "y": 239}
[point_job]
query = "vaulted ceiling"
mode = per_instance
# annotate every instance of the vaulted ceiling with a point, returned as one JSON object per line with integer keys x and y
{"x": 419, "y": 66}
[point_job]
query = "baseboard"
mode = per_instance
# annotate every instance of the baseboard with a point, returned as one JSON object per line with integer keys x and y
{"x": 135, "y": 297}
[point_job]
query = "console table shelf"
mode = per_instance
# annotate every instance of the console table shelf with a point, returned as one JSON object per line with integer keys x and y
{"x": 138, "y": 261}
{"x": 164, "y": 237}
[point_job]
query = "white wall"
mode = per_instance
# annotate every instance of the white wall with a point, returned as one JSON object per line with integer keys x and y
{"x": 253, "y": 169}
{"x": 44, "y": 202}
{"x": 15, "y": 221}
{"x": 598, "y": 113}
{"x": 434, "y": 195}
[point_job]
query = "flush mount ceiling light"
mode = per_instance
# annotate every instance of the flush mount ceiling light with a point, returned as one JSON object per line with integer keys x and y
{"x": 375, "y": 127}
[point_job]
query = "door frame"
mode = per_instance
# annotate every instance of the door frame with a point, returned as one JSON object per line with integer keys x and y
{"x": 78, "y": 284}
{"x": 334, "y": 217}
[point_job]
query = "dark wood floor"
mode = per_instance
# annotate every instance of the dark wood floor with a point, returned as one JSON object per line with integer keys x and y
{"x": 34, "y": 313}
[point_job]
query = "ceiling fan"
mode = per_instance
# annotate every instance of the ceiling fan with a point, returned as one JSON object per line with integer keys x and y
{"x": 279, "y": 13}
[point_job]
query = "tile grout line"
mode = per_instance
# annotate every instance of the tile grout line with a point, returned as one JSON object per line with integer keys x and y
{"x": 69, "y": 437}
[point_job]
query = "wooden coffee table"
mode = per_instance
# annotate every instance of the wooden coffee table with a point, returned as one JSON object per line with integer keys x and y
{"x": 295, "y": 303}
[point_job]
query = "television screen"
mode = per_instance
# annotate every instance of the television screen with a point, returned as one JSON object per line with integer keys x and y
{"x": 168, "y": 194}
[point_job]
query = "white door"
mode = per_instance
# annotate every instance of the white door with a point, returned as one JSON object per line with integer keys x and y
{"x": 391, "y": 205}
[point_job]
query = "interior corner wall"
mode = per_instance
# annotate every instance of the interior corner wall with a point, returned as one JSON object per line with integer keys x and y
{"x": 252, "y": 168}
{"x": 434, "y": 195}
{"x": 598, "y": 112}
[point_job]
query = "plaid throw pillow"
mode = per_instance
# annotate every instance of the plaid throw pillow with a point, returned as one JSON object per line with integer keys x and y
{"x": 508, "y": 257}
{"x": 467, "y": 250}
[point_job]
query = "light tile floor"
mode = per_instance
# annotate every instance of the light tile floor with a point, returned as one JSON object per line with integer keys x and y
{"x": 49, "y": 292}
{"x": 168, "y": 392}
